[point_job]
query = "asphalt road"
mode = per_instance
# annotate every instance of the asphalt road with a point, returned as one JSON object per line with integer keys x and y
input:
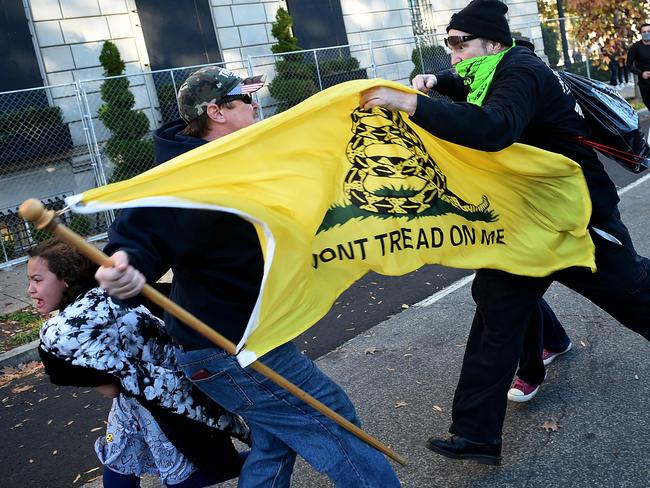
{"x": 48, "y": 432}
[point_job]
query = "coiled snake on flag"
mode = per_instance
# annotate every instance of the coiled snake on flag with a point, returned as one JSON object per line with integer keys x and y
{"x": 385, "y": 149}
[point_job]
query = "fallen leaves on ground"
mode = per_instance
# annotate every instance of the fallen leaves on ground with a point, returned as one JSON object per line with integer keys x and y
{"x": 370, "y": 350}
{"x": 400, "y": 404}
{"x": 437, "y": 408}
{"x": 21, "y": 389}
{"x": 9, "y": 374}
{"x": 550, "y": 426}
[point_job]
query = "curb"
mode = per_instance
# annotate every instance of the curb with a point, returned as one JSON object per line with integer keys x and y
{"x": 21, "y": 354}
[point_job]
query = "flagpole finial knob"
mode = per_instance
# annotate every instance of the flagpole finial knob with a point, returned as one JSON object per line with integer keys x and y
{"x": 33, "y": 210}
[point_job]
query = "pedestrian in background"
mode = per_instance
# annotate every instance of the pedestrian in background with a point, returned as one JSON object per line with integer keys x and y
{"x": 638, "y": 61}
{"x": 621, "y": 61}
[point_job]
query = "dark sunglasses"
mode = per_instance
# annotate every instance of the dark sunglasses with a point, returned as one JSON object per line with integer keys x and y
{"x": 456, "y": 40}
{"x": 246, "y": 98}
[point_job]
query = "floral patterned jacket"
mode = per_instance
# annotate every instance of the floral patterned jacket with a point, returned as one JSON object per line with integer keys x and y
{"x": 130, "y": 344}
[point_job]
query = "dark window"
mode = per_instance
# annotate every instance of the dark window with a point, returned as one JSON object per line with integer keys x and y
{"x": 18, "y": 65}
{"x": 178, "y": 32}
{"x": 317, "y": 23}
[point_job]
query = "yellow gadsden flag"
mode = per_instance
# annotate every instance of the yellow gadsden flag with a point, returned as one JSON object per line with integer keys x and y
{"x": 335, "y": 192}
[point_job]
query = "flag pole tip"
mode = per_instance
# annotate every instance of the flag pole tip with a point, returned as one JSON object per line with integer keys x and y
{"x": 33, "y": 210}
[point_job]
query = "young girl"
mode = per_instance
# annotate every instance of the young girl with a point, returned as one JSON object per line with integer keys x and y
{"x": 159, "y": 423}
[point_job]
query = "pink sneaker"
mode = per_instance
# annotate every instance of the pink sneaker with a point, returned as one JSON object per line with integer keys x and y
{"x": 522, "y": 391}
{"x": 548, "y": 356}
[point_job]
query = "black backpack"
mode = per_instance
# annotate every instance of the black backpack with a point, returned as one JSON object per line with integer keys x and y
{"x": 613, "y": 122}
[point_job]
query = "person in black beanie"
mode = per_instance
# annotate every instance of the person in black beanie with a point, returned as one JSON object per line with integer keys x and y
{"x": 501, "y": 94}
{"x": 485, "y": 19}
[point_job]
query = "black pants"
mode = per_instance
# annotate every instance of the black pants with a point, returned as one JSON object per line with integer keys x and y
{"x": 505, "y": 305}
{"x": 544, "y": 332}
{"x": 614, "y": 73}
{"x": 644, "y": 88}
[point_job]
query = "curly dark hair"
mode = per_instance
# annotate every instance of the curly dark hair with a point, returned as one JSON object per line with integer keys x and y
{"x": 68, "y": 265}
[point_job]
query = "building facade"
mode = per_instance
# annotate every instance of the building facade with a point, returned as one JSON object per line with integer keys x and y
{"x": 65, "y": 36}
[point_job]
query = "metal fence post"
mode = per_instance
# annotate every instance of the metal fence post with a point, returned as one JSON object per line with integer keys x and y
{"x": 588, "y": 63}
{"x": 93, "y": 145}
{"x": 418, "y": 44}
{"x": 4, "y": 251}
{"x": 249, "y": 68}
{"x": 320, "y": 81}
{"x": 373, "y": 66}
{"x": 171, "y": 74}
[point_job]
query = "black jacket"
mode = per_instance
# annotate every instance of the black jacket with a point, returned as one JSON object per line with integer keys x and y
{"x": 215, "y": 256}
{"x": 638, "y": 60}
{"x": 526, "y": 103}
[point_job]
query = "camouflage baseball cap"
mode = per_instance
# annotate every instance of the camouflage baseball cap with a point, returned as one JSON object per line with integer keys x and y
{"x": 211, "y": 85}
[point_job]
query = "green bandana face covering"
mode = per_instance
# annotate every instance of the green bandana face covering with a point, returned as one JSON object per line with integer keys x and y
{"x": 477, "y": 74}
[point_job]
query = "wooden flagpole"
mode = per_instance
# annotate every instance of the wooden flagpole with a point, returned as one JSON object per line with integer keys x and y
{"x": 33, "y": 210}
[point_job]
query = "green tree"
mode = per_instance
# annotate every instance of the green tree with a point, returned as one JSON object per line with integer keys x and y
{"x": 294, "y": 79}
{"x": 551, "y": 39}
{"x": 126, "y": 147}
{"x": 428, "y": 58}
{"x": 281, "y": 30}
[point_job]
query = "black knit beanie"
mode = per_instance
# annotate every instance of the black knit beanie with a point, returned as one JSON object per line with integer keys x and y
{"x": 483, "y": 18}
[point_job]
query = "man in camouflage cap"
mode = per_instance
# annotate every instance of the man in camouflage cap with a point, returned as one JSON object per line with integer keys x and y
{"x": 212, "y": 85}
{"x": 218, "y": 267}
{"x": 213, "y": 95}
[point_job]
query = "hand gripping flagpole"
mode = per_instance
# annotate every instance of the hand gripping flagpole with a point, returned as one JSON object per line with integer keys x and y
{"x": 33, "y": 210}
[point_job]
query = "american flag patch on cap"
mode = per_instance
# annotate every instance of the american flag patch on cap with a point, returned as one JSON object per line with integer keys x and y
{"x": 252, "y": 83}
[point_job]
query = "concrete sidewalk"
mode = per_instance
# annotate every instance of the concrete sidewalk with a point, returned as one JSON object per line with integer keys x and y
{"x": 14, "y": 297}
{"x": 13, "y": 289}
{"x": 596, "y": 396}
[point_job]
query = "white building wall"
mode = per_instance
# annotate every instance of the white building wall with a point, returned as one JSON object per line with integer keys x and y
{"x": 68, "y": 37}
{"x": 244, "y": 32}
{"x": 387, "y": 25}
{"x": 523, "y": 16}
{"x": 244, "y": 27}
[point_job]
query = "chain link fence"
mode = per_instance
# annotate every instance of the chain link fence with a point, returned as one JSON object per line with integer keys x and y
{"x": 44, "y": 151}
{"x": 64, "y": 139}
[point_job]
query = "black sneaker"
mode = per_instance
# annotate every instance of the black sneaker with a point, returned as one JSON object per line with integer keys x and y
{"x": 457, "y": 447}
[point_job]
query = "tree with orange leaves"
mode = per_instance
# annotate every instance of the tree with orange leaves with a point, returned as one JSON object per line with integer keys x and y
{"x": 610, "y": 21}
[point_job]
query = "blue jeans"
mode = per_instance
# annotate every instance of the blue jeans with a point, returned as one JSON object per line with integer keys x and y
{"x": 283, "y": 425}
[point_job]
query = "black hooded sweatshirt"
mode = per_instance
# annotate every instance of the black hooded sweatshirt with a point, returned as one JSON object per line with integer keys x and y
{"x": 526, "y": 103}
{"x": 215, "y": 256}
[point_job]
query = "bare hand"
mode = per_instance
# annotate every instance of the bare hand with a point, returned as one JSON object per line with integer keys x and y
{"x": 121, "y": 280}
{"x": 645, "y": 75}
{"x": 424, "y": 83}
{"x": 390, "y": 98}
